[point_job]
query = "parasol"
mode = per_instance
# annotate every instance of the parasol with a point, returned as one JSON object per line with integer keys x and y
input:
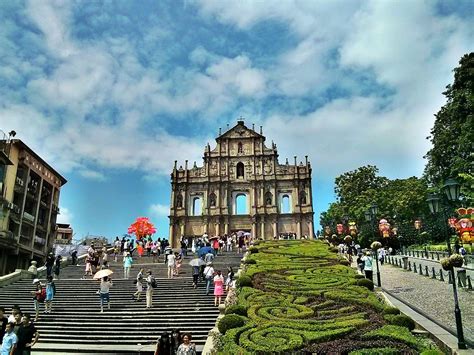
{"x": 103, "y": 273}
{"x": 240, "y": 233}
{"x": 247, "y": 234}
{"x": 197, "y": 262}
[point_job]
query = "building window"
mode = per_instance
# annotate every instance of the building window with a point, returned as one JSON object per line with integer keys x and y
{"x": 240, "y": 170}
{"x": 241, "y": 204}
{"x": 285, "y": 204}
{"x": 197, "y": 206}
{"x": 240, "y": 148}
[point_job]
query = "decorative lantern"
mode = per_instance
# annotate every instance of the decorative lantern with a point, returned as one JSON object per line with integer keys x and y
{"x": 352, "y": 229}
{"x": 417, "y": 224}
{"x": 464, "y": 226}
{"x": 340, "y": 228}
{"x": 327, "y": 231}
{"x": 384, "y": 228}
{"x": 142, "y": 227}
{"x": 452, "y": 222}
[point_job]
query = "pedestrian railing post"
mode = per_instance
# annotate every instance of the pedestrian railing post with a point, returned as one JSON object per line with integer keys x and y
{"x": 433, "y": 273}
{"x": 414, "y": 268}
{"x": 409, "y": 266}
{"x": 426, "y": 271}
{"x": 420, "y": 270}
{"x": 417, "y": 254}
{"x": 450, "y": 278}
{"x": 441, "y": 277}
{"x": 437, "y": 256}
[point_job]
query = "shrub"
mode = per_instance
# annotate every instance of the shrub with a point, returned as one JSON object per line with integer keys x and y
{"x": 244, "y": 281}
{"x": 230, "y": 321}
{"x": 236, "y": 309}
{"x": 391, "y": 310}
{"x": 431, "y": 352}
{"x": 456, "y": 260}
{"x": 446, "y": 264}
{"x": 400, "y": 320}
{"x": 253, "y": 250}
{"x": 365, "y": 283}
{"x": 359, "y": 276}
{"x": 344, "y": 262}
{"x": 393, "y": 332}
{"x": 376, "y": 351}
{"x": 250, "y": 261}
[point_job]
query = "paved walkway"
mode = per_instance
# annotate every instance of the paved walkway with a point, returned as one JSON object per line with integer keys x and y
{"x": 432, "y": 297}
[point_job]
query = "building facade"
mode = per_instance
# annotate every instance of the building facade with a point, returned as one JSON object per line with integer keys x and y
{"x": 241, "y": 186}
{"x": 29, "y": 206}
{"x": 64, "y": 233}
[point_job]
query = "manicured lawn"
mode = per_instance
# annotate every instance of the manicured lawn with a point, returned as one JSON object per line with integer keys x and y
{"x": 296, "y": 295}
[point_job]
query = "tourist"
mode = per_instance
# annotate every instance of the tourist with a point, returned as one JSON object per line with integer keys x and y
{"x": 49, "y": 264}
{"x": 9, "y": 340}
{"x": 33, "y": 269}
{"x": 57, "y": 266}
{"x": 139, "y": 281}
{"x": 150, "y": 285}
{"x": 148, "y": 248}
{"x": 122, "y": 245}
{"x": 186, "y": 347}
{"x": 117, "y": 247}
{"x": 184, "y": 246}
{"x": 230, "y": 277}
{"x": 215, "y": 245}
{"x": 163, "y": 346}
{"x": 91, "y": 249}
{"x": 229, "y": 244}
{"x": 39, "y": 296}
{"x": 158, "y": 247}
{"x": 171, "y": 260}
{"x": 50, "y": 293}
{"x": 167, "y": 252}
{"x": 154, "y": 251}
{"x": 218, "y": 288}
{"x": 27, "y": 336}
{"x": 3, "y": 322}
{"x": 140, "y": 248}
{"x": 382, "y": 254}
{"x": 208, "y": 275}
{"x": 94, "y": 262}
{"x": 88, "y": 270}
{"x": 105, "y": 255}
{"x": 177, "y": 263}
{"x": 209, "y": 257}
{"x": 196, "y": 273}
{"x": 368, "y": 266}
{"x": 73, "y": 257}
{"x": 127, "y": 265}
{"x": 105, "y": 285}
{"x": 175, "y": 340}
{"x": 241, "y": 242}
{"x": 360, "y": 262}
{"x": 17, "y": 322}
{"x": 15, "y": 310}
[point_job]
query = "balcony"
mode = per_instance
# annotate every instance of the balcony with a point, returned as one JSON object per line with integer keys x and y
{"x": 19, "y": 181}
{"x": 25, "y": 240}
{"x": 40, "y": 241}
{"x": 28, "y": 217}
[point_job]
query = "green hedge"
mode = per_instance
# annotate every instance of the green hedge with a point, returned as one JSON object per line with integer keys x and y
{"x": 401, "y": 320}
{"x": 230, "y": 321}
{"x": 244, "y": 281}
{"x": 236, "y": 309}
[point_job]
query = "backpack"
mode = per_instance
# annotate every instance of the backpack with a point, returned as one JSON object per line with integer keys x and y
{"x": 463, "y": 251}
{"x": 153, "y": 283}
{"x": 41, "y": 296}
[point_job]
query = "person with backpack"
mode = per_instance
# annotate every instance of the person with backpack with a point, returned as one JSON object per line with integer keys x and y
{"x": 39, "y": 296}
{"x": 50, "y": 293}
{"x": 208, "y": 274}
{"x": 150, "y": 285}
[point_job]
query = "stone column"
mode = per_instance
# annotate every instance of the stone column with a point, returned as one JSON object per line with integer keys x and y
{"x": 217, "y": 227}
{"x": 311, "y": 231}
{"x": 182, "y": 228}
{"x": 298, "y": 229}
{"x": 254, "y": 229}
{"x": 262, "y": 227}
{"x": 171, "y": 237}
{"x": 274, "y": 228}
{"x": 226, "y": 228}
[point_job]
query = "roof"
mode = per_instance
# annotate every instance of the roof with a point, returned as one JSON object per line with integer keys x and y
{"x": 20, "y": 143}
{"x": 240, "y": 127}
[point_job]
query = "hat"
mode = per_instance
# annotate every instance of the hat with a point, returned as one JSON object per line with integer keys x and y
{"x": 35, "y": 281}
{"x": 209, "y": 263}
{"x": 367, "y": 253}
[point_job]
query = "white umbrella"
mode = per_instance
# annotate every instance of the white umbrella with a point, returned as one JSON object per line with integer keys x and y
{"x": 197, "y": 262}
{"x": 103, "y": 273}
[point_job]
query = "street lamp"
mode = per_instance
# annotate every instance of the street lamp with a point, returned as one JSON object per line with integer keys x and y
{"x": 370, "y": 216}
{"x": 451, "y": 189}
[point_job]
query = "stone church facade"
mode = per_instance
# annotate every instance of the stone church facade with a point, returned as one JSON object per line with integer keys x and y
{"x": 241, "y": 186}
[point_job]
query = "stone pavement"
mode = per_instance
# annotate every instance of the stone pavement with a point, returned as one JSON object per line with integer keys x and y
{"x": 432, "y": 297}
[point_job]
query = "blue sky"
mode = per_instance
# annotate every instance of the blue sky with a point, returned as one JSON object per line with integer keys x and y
{"x": 111, "y": 93}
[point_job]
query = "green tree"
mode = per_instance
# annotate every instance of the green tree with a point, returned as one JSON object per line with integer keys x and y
{"x": 452, "y": 135}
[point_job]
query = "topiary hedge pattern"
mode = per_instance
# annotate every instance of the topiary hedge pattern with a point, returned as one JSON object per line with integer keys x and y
{"x": 297, "y": 296}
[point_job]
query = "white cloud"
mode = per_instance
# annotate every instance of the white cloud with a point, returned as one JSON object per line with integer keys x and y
{"x": 65, "y": 216}
{"x": 93, "y": 175}
{"x": 159, "y": 210}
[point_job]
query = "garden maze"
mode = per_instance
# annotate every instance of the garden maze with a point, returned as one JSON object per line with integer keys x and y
{"x": 299, "y": 297}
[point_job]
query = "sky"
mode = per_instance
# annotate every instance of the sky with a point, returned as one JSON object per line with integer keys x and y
{"x": 110, "y": 93}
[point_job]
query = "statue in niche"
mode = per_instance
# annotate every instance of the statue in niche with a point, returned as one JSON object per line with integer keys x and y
{"x": 179, "y": 200}
{"x": 212, "y": 200}
{"x": 268, "y": 198}
{"x": 240, "y": 148}
{"x": 302, "y": 198}
{"x": 268, "y": 166}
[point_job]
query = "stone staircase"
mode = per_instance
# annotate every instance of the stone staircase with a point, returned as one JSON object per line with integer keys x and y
{"x": 77, "y": 326}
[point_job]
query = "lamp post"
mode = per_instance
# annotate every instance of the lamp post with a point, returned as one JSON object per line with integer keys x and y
{"x": 451, "y": 189}
{"x": 370, "y": 216}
